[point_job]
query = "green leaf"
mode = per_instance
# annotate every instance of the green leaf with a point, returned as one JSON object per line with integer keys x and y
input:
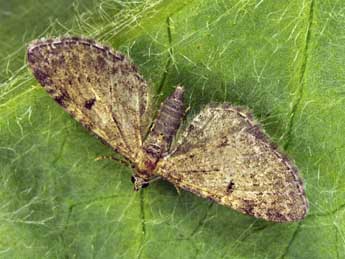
{"x": 283, "y": 59}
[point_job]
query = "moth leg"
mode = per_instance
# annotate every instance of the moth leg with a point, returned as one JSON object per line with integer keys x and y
{"x": 121, "y": 161}
{"x": 140, "y": 183}
{"x": 186, "y": 111}
{"x": 177, "y": 189}
{"x": 158, "y": 177}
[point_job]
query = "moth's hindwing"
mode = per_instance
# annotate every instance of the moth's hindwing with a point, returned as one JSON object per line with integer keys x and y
{"x": 226, "y": 157}
{"x": 99, "y": 87}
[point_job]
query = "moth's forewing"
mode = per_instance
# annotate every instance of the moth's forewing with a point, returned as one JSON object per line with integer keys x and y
{"x": 99, "y": 87}
{"x": 226, "y": 157}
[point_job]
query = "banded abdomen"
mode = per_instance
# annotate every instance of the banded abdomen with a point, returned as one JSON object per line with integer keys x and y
{"x": 166, "y": 125}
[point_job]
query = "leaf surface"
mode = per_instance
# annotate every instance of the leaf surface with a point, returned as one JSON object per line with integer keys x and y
{"x": 284, "y": 60}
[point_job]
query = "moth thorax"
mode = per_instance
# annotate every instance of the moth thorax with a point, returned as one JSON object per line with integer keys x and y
{"x": 145, "y": 165}
{"x": 166, "y": 125}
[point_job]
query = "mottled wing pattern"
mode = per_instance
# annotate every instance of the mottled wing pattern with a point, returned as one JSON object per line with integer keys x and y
{"x": 99, "y": 87}
{"x": 225, "y": 156}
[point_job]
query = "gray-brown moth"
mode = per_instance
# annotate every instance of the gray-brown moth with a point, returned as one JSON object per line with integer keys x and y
{"x": 223, "y": 154}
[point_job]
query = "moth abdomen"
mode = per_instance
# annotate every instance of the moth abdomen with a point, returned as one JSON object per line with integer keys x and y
{"x": 170, "y": 114}
{"x": 166, "y": 125}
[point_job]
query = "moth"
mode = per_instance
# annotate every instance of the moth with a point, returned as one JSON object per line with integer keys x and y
{"x": 222, "y": 155}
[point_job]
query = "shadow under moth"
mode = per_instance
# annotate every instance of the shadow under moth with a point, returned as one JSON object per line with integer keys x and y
{"x": 222, "y": 155}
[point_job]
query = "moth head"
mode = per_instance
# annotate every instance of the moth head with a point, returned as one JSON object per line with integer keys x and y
{"x": 139, "y": 182}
